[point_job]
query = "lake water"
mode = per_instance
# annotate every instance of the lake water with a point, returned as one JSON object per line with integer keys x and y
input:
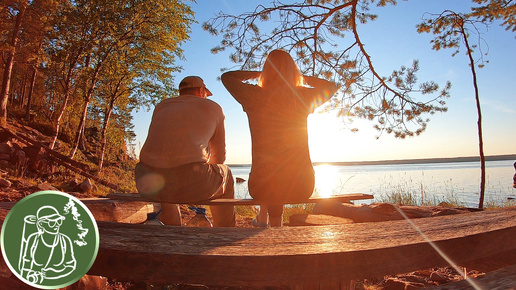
{"x": 426, "y": 182}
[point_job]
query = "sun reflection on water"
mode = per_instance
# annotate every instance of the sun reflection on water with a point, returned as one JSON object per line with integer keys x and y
{"x": 326, "y": 178}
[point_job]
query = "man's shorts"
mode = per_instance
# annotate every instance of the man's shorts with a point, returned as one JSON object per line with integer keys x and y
{"x": 188, "y": 183}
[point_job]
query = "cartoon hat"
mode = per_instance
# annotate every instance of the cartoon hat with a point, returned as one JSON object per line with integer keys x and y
{"x": 193, "y": 82}
{"x": 48, "y": 213}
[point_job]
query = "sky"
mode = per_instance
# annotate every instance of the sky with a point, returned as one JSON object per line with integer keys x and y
{"x": 391, "y": 41}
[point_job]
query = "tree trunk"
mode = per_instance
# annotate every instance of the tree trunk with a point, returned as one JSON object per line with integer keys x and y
{"x": 6, "y": 80}
{"x": 109, "y": 111}
{"x": 107, "y": 117}
{"x": 479, "y": 122}
{"x": 34, "y": 75}
{"x": 66, "y": 88}
{"x": 21, "y": 98}
{"x": 80, "y": 129}
{"x": 31, "y": 90}
{"x": 58, "y": 120}
{"x": 87, "y": 98}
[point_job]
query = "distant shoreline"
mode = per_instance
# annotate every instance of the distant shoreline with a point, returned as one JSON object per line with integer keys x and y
{"x": 410, "y": 161}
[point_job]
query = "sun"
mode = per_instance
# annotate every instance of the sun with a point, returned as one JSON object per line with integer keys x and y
{"x": 326, "y": 132}
{"x": 326, "y": 180}
{"x": 331, "y": 139}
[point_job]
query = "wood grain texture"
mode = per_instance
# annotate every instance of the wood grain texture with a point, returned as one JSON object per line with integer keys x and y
{"x": 104, "y": 209}
{"x": 301, "y": 255}
{"x": 222, "y": 201}
{"x": 292, "y": 255}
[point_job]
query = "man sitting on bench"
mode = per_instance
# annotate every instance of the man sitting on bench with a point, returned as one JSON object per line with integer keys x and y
{"x": 182, "y": 158}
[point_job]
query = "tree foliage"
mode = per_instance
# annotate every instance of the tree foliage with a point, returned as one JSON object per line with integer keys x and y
{"x": 489, "y": 11}
{"x": 323, "y": 37}
{"x": 96, "y": 61}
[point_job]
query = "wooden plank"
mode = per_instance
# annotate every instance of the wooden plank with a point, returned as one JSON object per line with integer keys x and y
{"x": 104, "y": 209}
{"x": 316, "y": 220}
{"x": 119, "y": 210}
{"x": 293, "y": 255}
{"x": 221, "y": 201}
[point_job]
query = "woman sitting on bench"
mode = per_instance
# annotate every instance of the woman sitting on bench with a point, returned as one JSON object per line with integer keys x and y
{"x": 277, "y": 109}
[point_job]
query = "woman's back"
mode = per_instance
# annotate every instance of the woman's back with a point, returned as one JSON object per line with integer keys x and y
{"x": 277, "y": 109}
{"x": 278, "y": 125}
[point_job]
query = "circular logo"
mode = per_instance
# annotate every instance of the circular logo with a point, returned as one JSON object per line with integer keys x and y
{"x": 49, "y": 239}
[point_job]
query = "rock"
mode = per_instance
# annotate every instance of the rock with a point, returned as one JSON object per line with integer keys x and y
{"x": 4, "y": 136}
{"x": 414, "y": 278}
{"x": 14, "y": 283}
{"x": 6, "y": 148}
{"x": 393, "y": 284}
{"x": 383, "y": 211}
{"x": 423, "y": 272}
{"x": 414, "y": 286}
{"x": 44, "y": 186}
{"x": 398, "y": 284}
{"x": 439, "y": 211}
{"x": 89, "y": 282}
{"x": 438, "y": 277}
{"x": 86, "y": 186}
{"x": 4, "y": 269}
{"x": 17, "y": 146}
{"x": 5, "y": 183}
{"x": 19, "y": 157}
{"x": 358, "y": 213}
{"x": 21, "y": 183}
{"x": 316, "y": 220}
{"x": 74, "y": 183}
{"x": 413, "y": 212}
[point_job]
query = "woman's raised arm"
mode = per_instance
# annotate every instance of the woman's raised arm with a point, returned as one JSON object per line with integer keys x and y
{"x": 321, "y": 91}
{"x": 234, "y": 82}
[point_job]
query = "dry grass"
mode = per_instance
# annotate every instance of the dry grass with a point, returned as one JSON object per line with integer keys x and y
{"x": 250, "y": 211}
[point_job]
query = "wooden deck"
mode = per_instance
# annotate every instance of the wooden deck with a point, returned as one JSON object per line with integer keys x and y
{"x": 288, "y": 256}
{"x": 294, "y": 256}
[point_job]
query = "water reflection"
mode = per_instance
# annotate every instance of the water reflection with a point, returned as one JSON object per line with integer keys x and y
{"x": 435, "y": 181}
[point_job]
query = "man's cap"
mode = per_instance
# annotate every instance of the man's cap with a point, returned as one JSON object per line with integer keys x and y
{"x": 193, "y": 82}
{"x": 48, "y": 213}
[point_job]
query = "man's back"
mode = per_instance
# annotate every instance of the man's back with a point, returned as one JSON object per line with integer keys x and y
{"x": 183, "y": 130}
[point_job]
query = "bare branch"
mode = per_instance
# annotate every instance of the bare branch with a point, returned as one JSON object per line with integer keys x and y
{"x": 323, "y": 38}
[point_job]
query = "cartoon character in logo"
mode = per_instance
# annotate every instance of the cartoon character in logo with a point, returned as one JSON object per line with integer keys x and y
{"x": 47, "y": 253}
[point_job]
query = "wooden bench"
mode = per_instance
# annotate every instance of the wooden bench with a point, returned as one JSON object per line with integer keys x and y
{"x": 302, "y": 257}
{"x": 344, "y": 198}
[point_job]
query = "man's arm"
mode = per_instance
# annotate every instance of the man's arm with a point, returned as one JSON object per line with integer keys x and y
{"x": 218, "y": 145}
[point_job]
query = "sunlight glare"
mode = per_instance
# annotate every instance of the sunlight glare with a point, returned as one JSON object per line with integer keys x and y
{"x": 325, "y": 132}
{"x": 330, "y": 139}
{"x": 325, "y": 180}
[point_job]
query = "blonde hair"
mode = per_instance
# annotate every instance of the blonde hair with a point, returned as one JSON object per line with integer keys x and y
{"x": 280, "y": 70}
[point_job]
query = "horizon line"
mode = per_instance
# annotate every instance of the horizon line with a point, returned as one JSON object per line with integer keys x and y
{"x": 408, "y": 161}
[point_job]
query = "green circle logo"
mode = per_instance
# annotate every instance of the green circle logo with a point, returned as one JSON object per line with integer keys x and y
{"x": 49, "y": 239}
